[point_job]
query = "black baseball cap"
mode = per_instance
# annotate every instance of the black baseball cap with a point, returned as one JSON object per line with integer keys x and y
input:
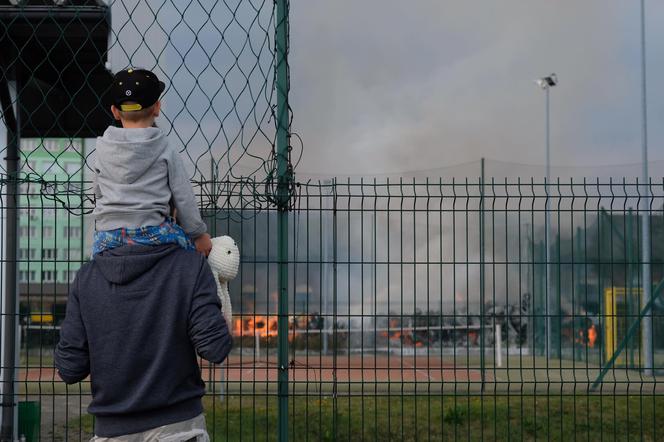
{"x": 139, "y": 86}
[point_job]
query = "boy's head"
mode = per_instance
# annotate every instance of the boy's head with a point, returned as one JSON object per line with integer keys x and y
{"x": 136, "y": 95}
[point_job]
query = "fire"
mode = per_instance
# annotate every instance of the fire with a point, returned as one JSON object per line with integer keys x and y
{"x": 588, "y": 338}
{"x": 263, "y": 326}
{"x": 592, "y": 336}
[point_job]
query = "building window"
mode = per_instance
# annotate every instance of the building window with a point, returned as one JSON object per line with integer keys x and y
{"x": 33, "y": 253}
{"x": 72, "y": 168}
{"x": 26, "y": 254}
{"x": 70, "y": 253}
{"x": 34, "y": 190}
{"x": 23, "y": 276}
{"x": 33, "y": 276}
{"x": 68, "y": 275}
{"x": 48, "y": 253}
{"x": 48, "y": 232}
{"x": 25, "y": 231}
{"x": 47, "y": 275}
{"x": 52, "y": 145}
{"x": 72, "y": 232}
{"x": 29, "y": 214}
{"x": 30, "y": 166}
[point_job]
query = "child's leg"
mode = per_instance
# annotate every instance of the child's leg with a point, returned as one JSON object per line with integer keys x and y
{"x": 107, "y": 240}
{"x": 169, "y": 232}
{"x": 165, "y": 233}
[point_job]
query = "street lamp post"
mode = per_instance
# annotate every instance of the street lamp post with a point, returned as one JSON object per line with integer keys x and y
{"x": 546, "y": 83}
{"x": 646, "y": 325}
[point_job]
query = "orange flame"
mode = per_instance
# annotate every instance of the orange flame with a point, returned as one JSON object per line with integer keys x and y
{"x": 592, "y": 336}
{"x": 263, "y": 326}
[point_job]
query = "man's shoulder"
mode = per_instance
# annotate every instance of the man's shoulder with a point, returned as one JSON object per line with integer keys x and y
{"x": 168, "y": 263}
{"x": 186, "y": 258}
{"x": 85, "y": 268}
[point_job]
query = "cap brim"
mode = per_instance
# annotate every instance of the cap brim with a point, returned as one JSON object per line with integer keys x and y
{"x": 162, "y": 86}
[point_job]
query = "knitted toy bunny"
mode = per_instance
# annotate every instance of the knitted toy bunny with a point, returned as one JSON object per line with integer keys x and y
{"x": 224, "y": 260}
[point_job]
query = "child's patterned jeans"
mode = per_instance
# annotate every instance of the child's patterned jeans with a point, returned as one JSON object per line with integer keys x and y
{"x": 165, "y": 233}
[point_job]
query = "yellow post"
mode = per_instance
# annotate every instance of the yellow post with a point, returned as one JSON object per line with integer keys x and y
{"x": 617, "y": 320}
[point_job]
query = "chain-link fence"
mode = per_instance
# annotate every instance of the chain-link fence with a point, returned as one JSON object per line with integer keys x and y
{"x": 411, "y": 308}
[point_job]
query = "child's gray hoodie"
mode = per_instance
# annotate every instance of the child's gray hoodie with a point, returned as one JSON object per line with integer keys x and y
{"x": 137, "y": 175}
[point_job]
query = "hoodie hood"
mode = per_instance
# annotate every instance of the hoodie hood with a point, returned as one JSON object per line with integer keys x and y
{"x": 124, "y": 264}
{"x": 126, "y": 154}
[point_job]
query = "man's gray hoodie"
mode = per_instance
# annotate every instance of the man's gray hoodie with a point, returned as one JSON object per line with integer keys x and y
{"x": 137, "y": 175}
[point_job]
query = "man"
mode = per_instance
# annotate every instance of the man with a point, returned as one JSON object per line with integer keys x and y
{"x": 136, "y": 317}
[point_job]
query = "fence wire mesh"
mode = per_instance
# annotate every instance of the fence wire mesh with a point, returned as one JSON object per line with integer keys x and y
{"x": 406, "y": 321}
{"x": 419, "y": 309}
{"x": 218, "y": 60}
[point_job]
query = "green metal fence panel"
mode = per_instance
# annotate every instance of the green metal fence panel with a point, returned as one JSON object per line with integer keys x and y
{"x": 386, "y": 328}
{"x": 372, "y": 309}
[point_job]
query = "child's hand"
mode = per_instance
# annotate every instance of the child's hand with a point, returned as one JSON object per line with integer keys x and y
{"x": 203, "y": 244}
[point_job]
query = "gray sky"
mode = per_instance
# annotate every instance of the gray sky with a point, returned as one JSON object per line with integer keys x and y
{"x": 382, "y": 86}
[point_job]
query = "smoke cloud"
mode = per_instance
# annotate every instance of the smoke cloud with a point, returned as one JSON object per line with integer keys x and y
{"x": 387, "y": 86}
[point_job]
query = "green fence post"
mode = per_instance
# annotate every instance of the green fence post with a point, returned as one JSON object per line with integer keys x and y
{"x": 482, "y": 282}
{"x": 628, "y": 293}
{"x": 10, "y": 312}
{"x": 283, "y": 196}
{"x": 576, "y": 284}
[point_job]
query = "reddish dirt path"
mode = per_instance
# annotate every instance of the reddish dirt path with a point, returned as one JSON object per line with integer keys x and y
{"x": 320, "y": 369}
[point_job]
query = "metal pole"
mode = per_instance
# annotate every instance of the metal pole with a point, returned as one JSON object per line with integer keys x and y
{"x": 646, "y": 329}
{"x": 11, "y": 288}
{"x": 547, "y": 236}
{"x": 9, "y": 356}
{"x": 631, "y": 308}
{"x": 482, "y": 282}
{"x": 325, "y": 271}
{"x": 283, "y": 196}
{"x": 499, "y": 346}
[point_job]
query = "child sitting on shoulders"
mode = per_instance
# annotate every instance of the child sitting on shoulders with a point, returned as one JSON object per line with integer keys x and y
{"x": 139, "y": 176}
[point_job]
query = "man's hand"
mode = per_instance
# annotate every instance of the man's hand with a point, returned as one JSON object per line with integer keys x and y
{"x": 203, "y": 244}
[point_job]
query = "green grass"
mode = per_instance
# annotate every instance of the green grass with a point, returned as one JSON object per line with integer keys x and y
{"x": 474, "y": 418}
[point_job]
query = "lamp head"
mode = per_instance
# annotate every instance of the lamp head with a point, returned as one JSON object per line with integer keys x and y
{"x": 547, "y": 82}
{"x": 551, "y": 80}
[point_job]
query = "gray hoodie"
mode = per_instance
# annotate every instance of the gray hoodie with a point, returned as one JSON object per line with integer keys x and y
{"x": 137, "y": 175}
